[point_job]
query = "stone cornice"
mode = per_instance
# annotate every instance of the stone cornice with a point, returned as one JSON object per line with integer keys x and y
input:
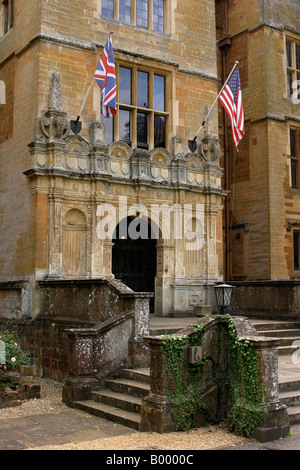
{"x": 93, "y": 46}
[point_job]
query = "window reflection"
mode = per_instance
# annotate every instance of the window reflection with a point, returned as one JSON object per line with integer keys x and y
{"x": 159, "y": 93}
{"x": 142, "y": 89}
{"x": 125, "y": 11}
{"x": 143, "y": 8}
{"x": 298, "y": 56}
{"x": 124, "y": 125}
{"x": 107, "y": 8}
{"x": 109, "y": 132}
{"x": 142, "y": 118}
{"x": 142, "y": 130}
{"x": 159, "y": 131}
{"x": 124, "y": 85}
{"x": 158, "y": 15}
{"x": 142, "y": 13}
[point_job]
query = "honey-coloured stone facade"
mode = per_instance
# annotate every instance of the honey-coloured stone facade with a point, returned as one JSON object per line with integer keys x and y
{"x": 262, "y": 200}
{"x": 55, "y": 182}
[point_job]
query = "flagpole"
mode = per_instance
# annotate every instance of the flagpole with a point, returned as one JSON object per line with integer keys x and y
{"x": 191, "y": 143}
{"x": 74, "y": 124}
{"x": 86, "y": 96}
{"x": 84, "y": 101}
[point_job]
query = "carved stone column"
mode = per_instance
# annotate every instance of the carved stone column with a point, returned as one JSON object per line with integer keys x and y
{"x": 277, "y": 423}
{"x": 54, "y": 123}
{"x": 80, "y": 380}
{"x": 157, "y": 410}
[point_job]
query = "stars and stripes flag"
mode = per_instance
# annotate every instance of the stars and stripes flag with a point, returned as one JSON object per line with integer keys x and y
{"x": 105, "y": 76}
{"x": 231, "y": 100}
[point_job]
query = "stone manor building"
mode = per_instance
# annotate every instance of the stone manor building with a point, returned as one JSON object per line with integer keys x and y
{"x": 261, "y": 216}
{"x": 72, "y": 205}
{"x": 54, "y": 183}
{"x": 58, "y": 187}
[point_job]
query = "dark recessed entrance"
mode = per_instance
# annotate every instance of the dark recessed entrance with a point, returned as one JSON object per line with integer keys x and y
{"x": 134, "y": 259}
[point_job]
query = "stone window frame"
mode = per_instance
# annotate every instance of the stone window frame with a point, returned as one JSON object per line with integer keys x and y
{"x": 7, "y": 15}
{"x": 292, "y": 52}
{"x": 133, "y": 14}
{"x": 294, "y": 145}
{"x": 151, "y": 112}
{"x": 296, "y": 249}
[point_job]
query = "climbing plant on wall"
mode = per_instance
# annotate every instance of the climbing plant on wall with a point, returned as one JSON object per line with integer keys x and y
{"x": 184, "y": 380}
{"x": 247, "y": 403}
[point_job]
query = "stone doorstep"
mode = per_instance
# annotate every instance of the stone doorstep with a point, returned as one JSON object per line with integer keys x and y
{"x": 117, "y": 415}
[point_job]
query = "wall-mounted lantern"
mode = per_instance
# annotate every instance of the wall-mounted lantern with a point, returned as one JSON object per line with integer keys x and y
{"x": 223, "y": 296}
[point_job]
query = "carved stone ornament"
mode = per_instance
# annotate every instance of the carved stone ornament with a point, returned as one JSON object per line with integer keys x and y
{"x": 53, "y": 122}
{"x": 210, "y": 149}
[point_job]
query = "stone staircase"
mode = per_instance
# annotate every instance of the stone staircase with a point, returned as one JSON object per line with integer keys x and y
{"x": 286, "y": 331}
{"x": 121, "y": 398}
{"x": 289, "y": 395}
{"x": 289, "y": 374}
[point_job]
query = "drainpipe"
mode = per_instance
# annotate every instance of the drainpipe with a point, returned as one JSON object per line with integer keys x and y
{"x": 224, "y": 45}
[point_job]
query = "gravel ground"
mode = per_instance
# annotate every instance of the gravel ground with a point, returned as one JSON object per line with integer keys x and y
{"x": 211, "y": 437}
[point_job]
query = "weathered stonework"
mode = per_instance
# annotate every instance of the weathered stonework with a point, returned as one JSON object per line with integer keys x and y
{"x": 262, "y": 201}
{"x": 78, "y": 176}
{"x": 157, "y": 408}
{"x": 55, "y": 182}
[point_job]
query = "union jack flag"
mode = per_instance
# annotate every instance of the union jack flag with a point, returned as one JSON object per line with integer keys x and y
{"x": 105, "y": 76}
{"x": 231, "y": 99}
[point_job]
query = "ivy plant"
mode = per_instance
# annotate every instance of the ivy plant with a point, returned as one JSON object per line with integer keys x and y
{"x": 184, "y": 388}
{"x": 247, "y": 403}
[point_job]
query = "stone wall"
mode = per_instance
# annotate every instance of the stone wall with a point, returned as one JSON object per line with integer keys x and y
{"x": 267, "y": 299}
{"x": 262, "y": 201}
{"x": 41, "y": 43}
{"x": 106, "y": 310}
{"x": 157, "y": 414}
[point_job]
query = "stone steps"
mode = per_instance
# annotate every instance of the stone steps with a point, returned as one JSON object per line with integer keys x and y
{"x": 111, "y": 413}
{"x": 289, "y": 395}
{"x": 294, "y": 414}
{"x": 121, "y": 399}
{"x": 287, "y": 331}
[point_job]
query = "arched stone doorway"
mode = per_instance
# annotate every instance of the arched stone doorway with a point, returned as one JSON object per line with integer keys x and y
{"x": 134, "y": 255}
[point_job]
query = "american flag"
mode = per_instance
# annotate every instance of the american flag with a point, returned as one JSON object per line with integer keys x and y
{"x": 231, "y": 99}
{"x": 105, "y": 76}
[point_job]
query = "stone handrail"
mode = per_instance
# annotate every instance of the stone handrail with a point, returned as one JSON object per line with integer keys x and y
{"x": 156, "y": 415}
{"x": 98, "y": 351}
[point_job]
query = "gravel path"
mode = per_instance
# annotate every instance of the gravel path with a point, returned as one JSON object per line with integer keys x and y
{"x": 210, "y": 438}
{"x": 205, "y": 438}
